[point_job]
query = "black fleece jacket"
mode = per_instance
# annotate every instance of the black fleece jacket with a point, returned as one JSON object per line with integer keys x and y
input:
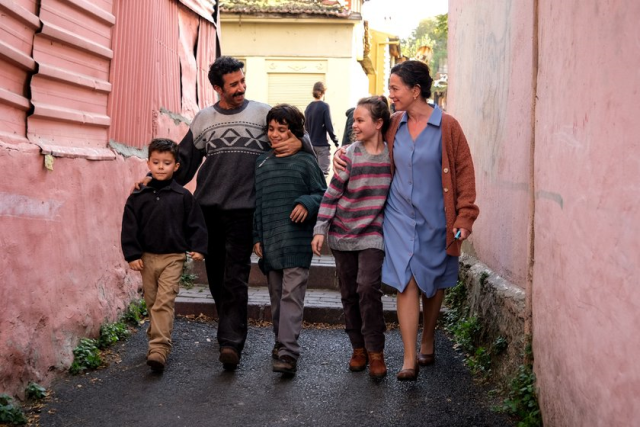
{"x": 162, "y": 218}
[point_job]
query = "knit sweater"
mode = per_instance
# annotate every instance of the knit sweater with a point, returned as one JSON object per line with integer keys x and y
{"x": 281, "y": 184}
{"x": 352, "y": 208}
{"x": 458, "y": 177}
{"x": 231, "y": 141}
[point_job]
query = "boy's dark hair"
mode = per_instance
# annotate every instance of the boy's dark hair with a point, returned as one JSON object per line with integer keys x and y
{"x": 414, "y": 73}
{"x": 378, "y": 107}
{"x": 220, "y": 67}
{"x": 163, "y": 145}
{"x": 286, "y": 114}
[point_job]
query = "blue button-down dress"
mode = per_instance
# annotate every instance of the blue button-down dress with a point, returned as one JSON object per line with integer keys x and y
{"x": 414, "y": 224}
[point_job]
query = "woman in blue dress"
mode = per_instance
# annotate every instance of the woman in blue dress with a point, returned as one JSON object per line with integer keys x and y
{"x": 430, "y": 208}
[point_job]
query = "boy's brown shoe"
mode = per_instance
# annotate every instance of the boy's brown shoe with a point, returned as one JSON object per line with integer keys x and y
{"x": 377, "y": 367}
{"x": 156, "y": 361}
{"x": 358, "y": 360}
{"x": 229, "y": 358}
{"x": 286, "y": 365}
{"x": 276, "y": 349}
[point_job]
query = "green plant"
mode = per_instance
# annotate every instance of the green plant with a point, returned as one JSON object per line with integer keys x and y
{"x": 483, "y": 277}
{"x": 136, "y": 311}
{"x": 85, "y": 356}
{"x": 466, "y": 332}
{"x": 522, "y": 401}
{"x": 187, "y": 280}
{"x": 456, "y": 297}
{"x": 9, "y": 413}
{"x": 499, "y": 346}
{"x": 479, "y": 362}
{"x": 35, "y": 391}
{"x": 111, "y": 333}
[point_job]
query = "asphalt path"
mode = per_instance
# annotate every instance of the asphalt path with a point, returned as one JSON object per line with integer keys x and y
{"x": 195, "y": 391}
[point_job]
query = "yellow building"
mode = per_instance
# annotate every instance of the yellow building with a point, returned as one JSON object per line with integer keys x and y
{"x": 287, "y": 46}
{"x": 381, "y": 53}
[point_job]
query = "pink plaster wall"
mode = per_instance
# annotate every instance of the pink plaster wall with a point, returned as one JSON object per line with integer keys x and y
{"x": 586, "y": 302}
{"x": 63, "y": 274}
{"x": 489, "y": 92}
{"x": 585, "y": 293}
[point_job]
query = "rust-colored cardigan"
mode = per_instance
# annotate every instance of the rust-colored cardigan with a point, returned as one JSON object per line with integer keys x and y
{"x": 458, "y": 177}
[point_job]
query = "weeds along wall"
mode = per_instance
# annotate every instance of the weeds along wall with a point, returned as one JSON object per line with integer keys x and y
{"x": 63, "y": 270}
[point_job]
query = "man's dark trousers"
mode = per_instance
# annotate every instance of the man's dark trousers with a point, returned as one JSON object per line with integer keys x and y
{"x": 228, "y": 266}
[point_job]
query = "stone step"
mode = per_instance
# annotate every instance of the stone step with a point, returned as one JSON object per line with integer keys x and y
{"x": 322, "y": 274}
{"x": 320, "y": 305}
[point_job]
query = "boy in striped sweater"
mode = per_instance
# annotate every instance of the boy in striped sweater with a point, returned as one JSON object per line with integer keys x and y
{"x": 351, "y": 213}
{"x": 288, "y": 195}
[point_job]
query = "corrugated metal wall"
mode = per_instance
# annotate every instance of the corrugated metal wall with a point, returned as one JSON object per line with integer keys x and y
{"x": 70, "y": 90}
{"x": 145, "y": 69}
{"x": 155, "y": 70}
{"x": 78, "y": 73}
{"x": 18, "y": 23}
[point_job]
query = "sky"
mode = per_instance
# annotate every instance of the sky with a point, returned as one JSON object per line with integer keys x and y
{"x": 403, "y": 17}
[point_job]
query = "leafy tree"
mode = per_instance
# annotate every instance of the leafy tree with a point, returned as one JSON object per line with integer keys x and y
{"x": 431, "y": 32}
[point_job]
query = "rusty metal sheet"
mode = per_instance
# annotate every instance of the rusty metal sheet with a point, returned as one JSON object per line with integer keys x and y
{"x": 71, "y": 89}
{"x": 207, "y": 53}
{"x": 162, "y": 50}
{"x": 18, "y": 23}
{"x": 204, "y": 8}
{"x": 145, "y": 71}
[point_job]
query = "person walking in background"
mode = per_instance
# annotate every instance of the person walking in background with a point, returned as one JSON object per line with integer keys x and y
{"x": 351, "y": 213}
{"x": 161, "y": 222}
{"x": 348, "y": 136}
{"x": 430, "y": 209}
{"x": 318, "y": 125}
{"x": 288, "y": 195}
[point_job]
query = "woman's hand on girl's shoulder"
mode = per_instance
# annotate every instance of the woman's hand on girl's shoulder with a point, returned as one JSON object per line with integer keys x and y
{"x": 338, "y": 163}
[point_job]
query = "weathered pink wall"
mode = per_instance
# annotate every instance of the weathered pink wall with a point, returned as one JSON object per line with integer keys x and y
{"x": 489, "y": 92}
{"x": 585, "y": 291}
{"x": 586, "y": 176}
{"x": 63, "y": 274}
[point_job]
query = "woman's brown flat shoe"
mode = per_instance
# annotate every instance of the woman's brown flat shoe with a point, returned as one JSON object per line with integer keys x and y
{"x": 409, "y": 374}
{"x": 426, "y": 359}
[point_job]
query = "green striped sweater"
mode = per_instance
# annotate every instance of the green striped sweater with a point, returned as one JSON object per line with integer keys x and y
{"x": 281, "y": 184}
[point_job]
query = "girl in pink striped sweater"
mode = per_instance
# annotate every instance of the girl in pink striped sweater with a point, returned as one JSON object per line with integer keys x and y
{"x": 351, "y": 217}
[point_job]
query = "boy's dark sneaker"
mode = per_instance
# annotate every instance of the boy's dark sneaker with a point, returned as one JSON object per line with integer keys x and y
{"x": 276, "y": 348}
{"x": 285, "y": 364}
{"x": 229, "y": 358}
{"x": 156, "y": 361}
{"x": 358, "y": 360}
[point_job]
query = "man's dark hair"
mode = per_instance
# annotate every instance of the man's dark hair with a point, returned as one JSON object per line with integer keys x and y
{"x": 415, "y": 73}
{"x": 163, "y": 145}
{"x": 286, "y": 114}
{"x": 220, "y": 67}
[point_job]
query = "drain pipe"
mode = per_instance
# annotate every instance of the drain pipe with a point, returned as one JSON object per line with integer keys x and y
{"x": 528, "y": 314}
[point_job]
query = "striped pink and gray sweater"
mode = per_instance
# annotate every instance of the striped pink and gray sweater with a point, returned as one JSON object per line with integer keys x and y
{"x": 352, "y": 208}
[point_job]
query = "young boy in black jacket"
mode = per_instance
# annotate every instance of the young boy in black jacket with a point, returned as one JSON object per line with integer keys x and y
{"x": 161, "y": 223}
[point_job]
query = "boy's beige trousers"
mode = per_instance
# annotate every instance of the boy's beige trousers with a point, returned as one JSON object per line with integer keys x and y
{"x": 160, "y": 284}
